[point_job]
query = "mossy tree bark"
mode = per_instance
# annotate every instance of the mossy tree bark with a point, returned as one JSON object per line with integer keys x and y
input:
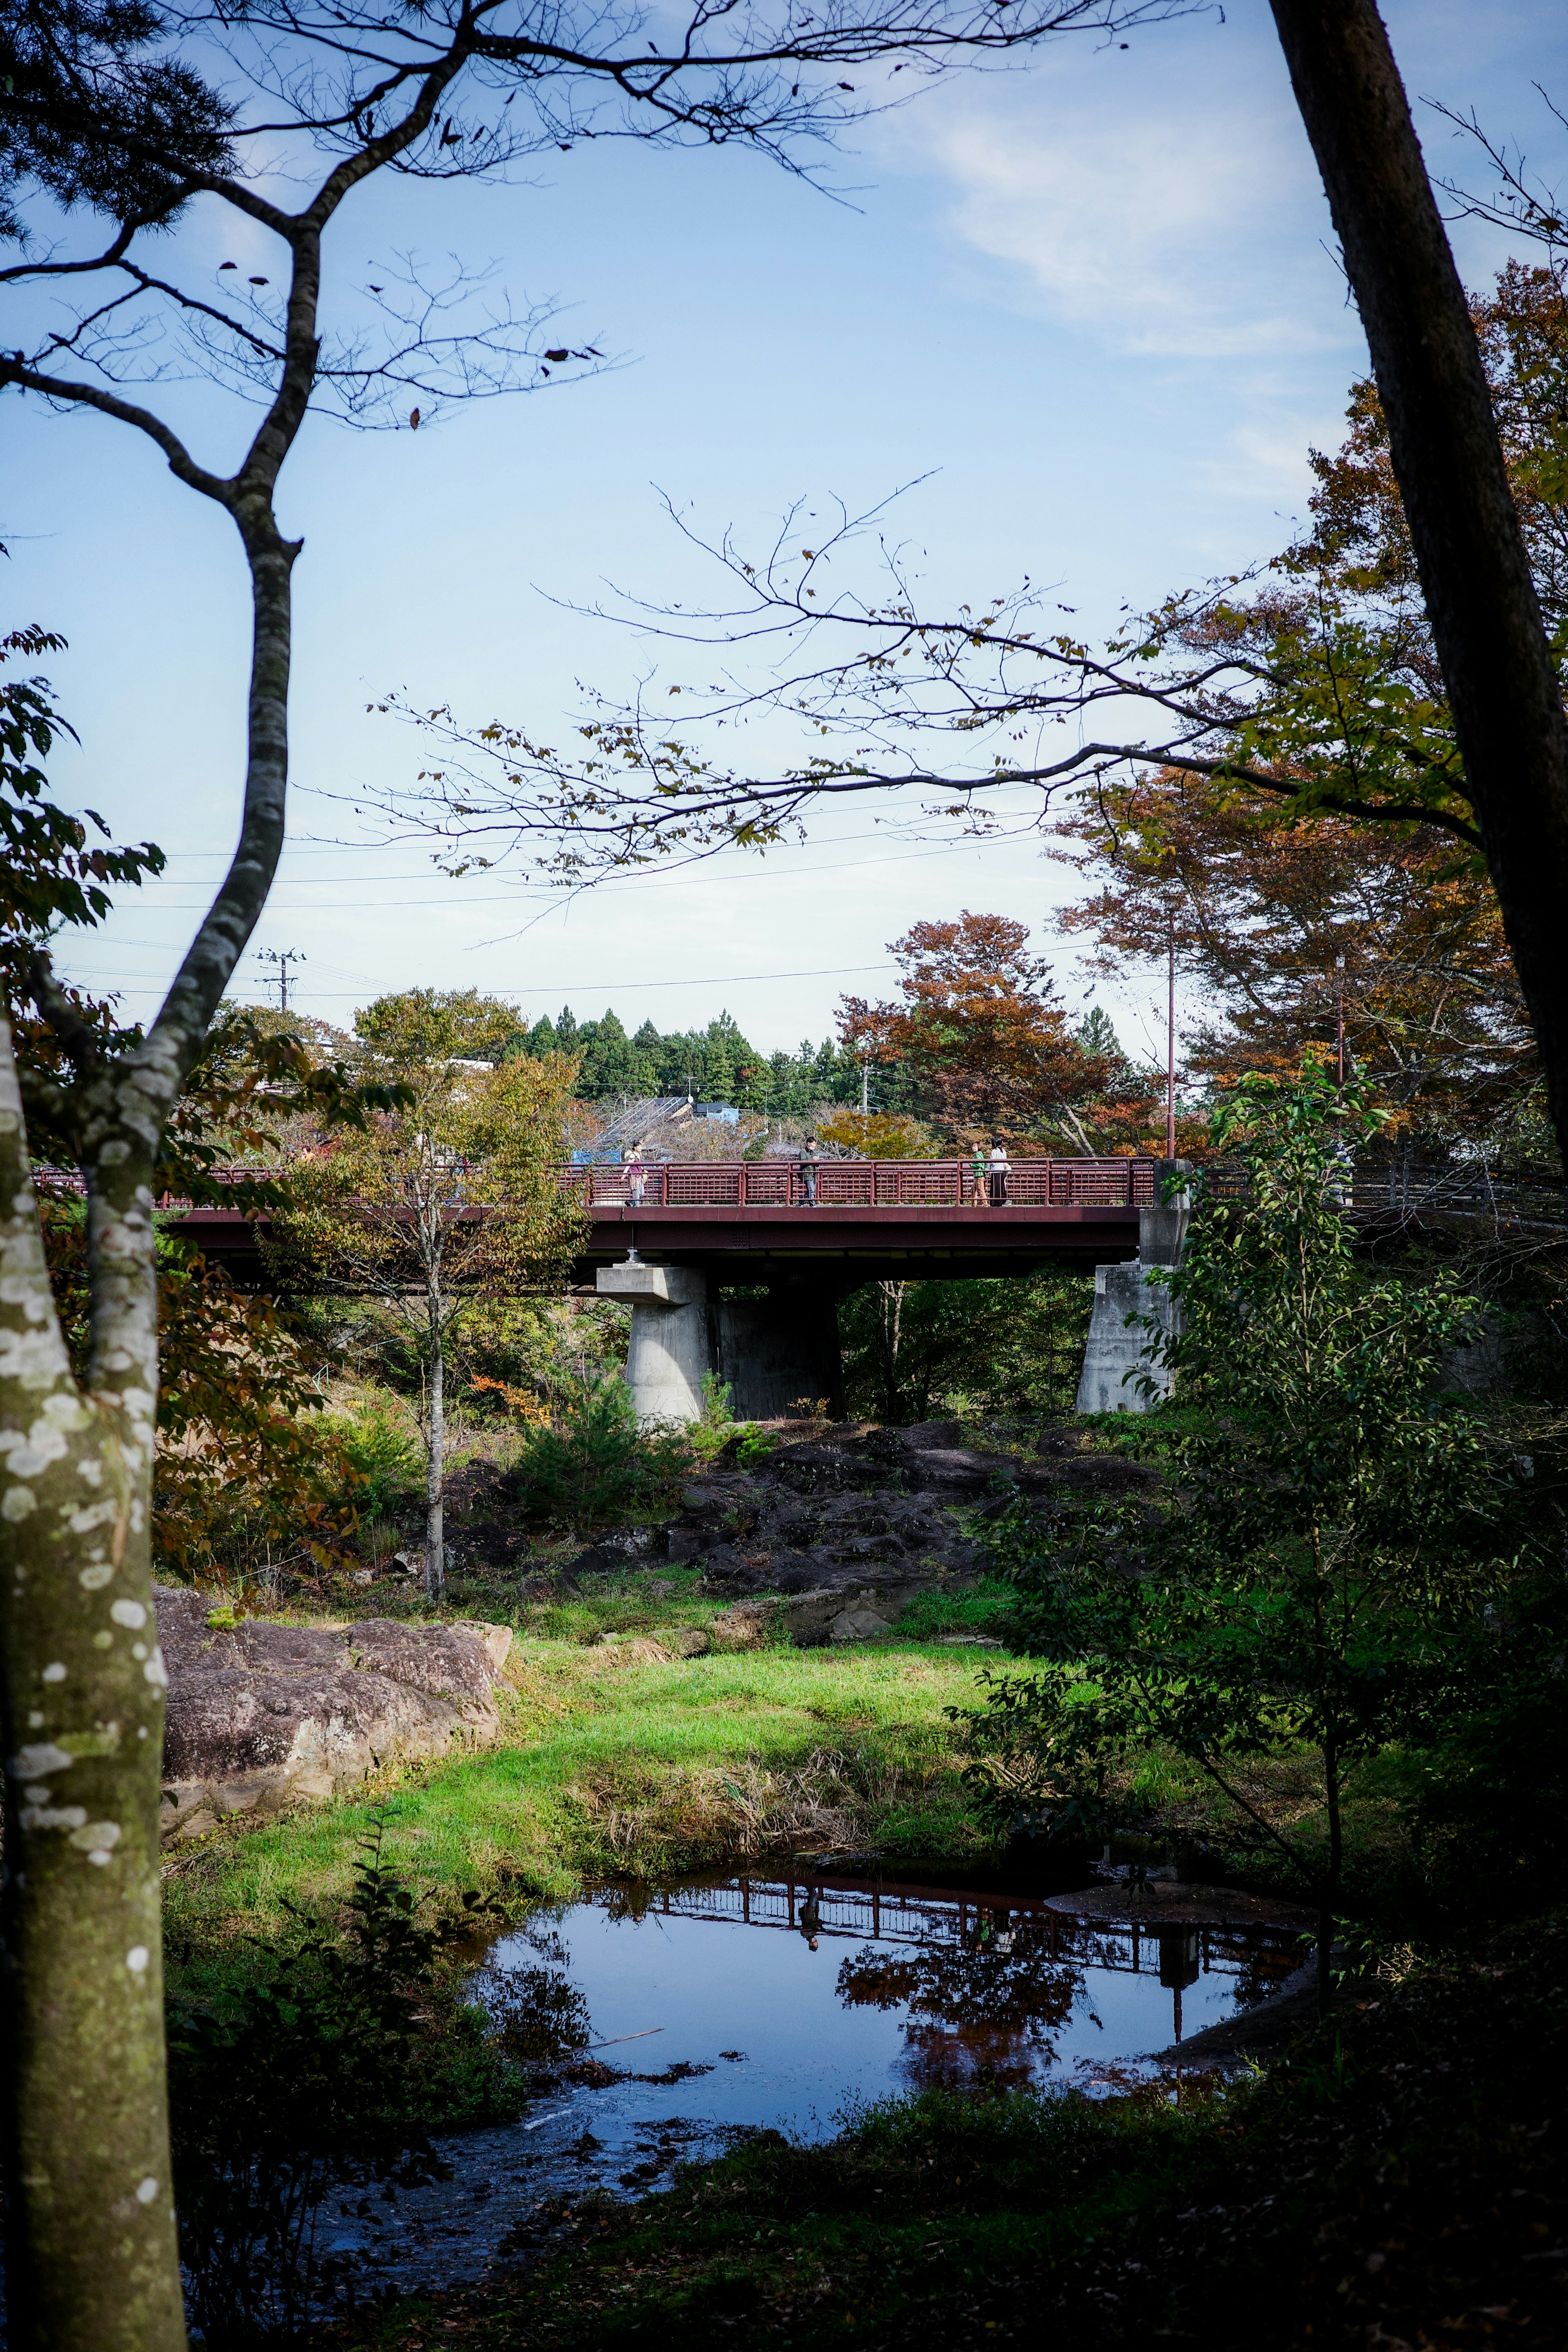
{"x": 92, "y": 2229}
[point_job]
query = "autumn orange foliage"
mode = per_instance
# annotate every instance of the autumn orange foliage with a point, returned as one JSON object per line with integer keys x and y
{"x": 990, "y": 1053}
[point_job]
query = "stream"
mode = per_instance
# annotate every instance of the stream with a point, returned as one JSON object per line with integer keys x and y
{"x": 725, "y": 2006}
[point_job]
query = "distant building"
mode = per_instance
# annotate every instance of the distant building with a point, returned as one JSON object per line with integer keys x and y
{"x": 655, "y": 1123}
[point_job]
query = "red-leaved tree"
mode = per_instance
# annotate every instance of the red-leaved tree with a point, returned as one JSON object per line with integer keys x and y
{"x": 979, "y": 1035}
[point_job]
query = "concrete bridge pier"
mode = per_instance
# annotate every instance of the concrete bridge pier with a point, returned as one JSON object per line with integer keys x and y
{"x": 668, "y": 1352}
{"x": 771, "y": 1353}
{"x": 1116, "y": 1356}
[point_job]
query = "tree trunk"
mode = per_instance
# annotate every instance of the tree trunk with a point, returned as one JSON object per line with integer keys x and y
{"x": 1328, "y": 1893}
{"x": 93, "y": 2257}
{"x": 893, "y": 1317}
{"x": 436, "y": 1479}
{"x": 90, "y": 2216}
{"x": 1448, "y": 458}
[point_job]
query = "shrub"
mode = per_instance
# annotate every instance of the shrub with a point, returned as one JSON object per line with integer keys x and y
{"x": 595, "y": 1462}
{"x": 381, "y": 1450}
{"x": 319, "y": 2082}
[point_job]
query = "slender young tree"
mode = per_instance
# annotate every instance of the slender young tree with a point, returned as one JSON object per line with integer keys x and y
{"x": 272, "y": 117}
{"x": 1311, "y": 1584}
{"x": 437, "y": 1207}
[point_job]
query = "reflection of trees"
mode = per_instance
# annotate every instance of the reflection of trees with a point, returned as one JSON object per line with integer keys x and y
{"x": 975, "y": 2008}
{"x": 1262, "y": 1964}
{"x": 536, "y": 2014}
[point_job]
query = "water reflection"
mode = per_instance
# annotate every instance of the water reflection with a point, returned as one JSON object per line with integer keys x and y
{"x": 659, "y": 2023}
{"x": 986, "y": 2008}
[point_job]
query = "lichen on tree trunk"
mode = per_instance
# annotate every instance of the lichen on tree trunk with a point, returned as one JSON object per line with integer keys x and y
{"x": 92, "y": 2218}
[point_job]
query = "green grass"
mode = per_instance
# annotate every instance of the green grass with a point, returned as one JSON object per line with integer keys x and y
{"x": 613, "y": 1761}
{"x": 982, "y": 1608}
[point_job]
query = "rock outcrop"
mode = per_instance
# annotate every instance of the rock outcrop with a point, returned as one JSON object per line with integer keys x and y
{"x": 831, "y": 1536}
{"x": 264, "y": 1718}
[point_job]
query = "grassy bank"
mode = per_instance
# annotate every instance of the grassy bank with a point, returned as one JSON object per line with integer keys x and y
{"x": 1400, "y": 2180}
{"x": 617, "y": 1760}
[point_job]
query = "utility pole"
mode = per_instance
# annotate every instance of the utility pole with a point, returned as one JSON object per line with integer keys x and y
{"x": 1171, "y": 1034}
{"x": 1339, "y": 1013}
{"x": 284, "y": 960}
{"x": 865, "y": 1087}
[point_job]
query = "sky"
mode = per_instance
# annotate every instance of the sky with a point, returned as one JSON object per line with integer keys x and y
{"x": 1085, "y": 316}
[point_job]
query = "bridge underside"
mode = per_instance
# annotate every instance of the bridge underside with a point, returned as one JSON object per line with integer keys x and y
{"x": 842, "y": 1248}
{"x": 778, "y": 1352}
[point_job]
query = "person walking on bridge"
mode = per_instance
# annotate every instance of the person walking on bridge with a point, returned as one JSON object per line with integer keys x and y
{"x": 998, "y": 1168}
{"x": 977, "y": 1177}
{"x": 806, "y": 1167}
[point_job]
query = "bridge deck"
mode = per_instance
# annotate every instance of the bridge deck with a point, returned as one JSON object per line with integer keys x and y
{"x": 750, "y": 1220}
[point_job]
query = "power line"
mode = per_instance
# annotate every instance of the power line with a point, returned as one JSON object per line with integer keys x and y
{"x": 622, "y": 988}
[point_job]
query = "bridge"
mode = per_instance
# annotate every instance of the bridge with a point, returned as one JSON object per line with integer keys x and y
{"x": 750, "y": 1257}
{"x": 735, "y": 1267}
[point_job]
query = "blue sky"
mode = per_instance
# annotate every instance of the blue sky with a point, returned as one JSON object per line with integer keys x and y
{"x": 1092, "y": 303}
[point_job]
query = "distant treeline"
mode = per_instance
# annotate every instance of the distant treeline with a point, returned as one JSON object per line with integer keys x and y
{"x": 713, "y": 1064}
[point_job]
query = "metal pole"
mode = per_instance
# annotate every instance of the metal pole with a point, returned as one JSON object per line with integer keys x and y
{"x": 1339, "y": 1005}
{"x": 1171, "y": 1036}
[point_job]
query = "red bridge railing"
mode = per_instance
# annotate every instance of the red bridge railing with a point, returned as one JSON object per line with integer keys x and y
{"x": 866, "y": 1184}
{"x": 778, "y": 1184}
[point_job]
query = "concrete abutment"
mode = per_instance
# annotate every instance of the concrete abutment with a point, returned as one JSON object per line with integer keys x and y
{"x": 1120, "y": 1372}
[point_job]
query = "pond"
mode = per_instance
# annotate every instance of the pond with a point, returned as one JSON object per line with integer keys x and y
{"x": 723, "y": 2007}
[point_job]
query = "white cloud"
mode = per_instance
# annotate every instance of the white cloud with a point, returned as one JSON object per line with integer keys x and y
{"x": 1166, "y": 199}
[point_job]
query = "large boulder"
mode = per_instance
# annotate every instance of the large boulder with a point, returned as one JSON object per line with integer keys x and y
{"x": 264, "y": 1718}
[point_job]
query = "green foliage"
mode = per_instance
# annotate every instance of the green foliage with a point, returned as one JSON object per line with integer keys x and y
{"x": 1315, "y": 1574}
{"x": 424, "y": 1024}
{"x": 990, "y": 1350}
{"x": 1491, "y": 1794}
{"x": 983, "y": 1608}
{"x": 384, "y": 1456}
{"x": 593, "y": 1464}
{"x": 308, "y": 2080}
{"x": 94, "y": 115}
{"x": 716, "y": 1063}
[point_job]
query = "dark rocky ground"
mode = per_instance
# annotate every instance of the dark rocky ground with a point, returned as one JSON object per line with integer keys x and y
{"x": 862, "y": 1516}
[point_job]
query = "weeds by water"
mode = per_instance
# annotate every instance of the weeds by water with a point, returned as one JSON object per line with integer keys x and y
{"x": 314, "y": 2087}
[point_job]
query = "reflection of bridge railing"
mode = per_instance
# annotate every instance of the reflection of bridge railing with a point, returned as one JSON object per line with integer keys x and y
{"x": 924, "y": 1916}
{"x": 867, "y": 1185}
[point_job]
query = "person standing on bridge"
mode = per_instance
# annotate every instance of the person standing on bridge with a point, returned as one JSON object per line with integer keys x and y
{"x": 635, "y": 1174}
{"x": 806, "y": 1167}
{"x": 998, "y": 1168}
{"x": 810, "y": 1920}
{"x": 977, "y": 1177}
